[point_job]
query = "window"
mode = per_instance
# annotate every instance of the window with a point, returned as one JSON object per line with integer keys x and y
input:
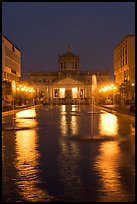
{"x": 75, "y": 65}
{"x": 4, "y": 75}
{"x": 81, "y": 93}
{"x": 55, "y": 93}
{"x": 125, "y": 76}
{"x": 126, "y": 60}
{"x": 13, "y": 49}
{"x": 123, "y": 61}
{"x": 61, "y": 67}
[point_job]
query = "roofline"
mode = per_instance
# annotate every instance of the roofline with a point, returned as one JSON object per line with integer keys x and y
{"x": 123, "y": 40}
{"x": 11, "y": 42}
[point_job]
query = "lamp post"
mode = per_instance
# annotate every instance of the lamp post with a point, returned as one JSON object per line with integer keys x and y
{"x": 133, "y": 85}
{"x": 26, "y": 90}
{"x": 109, "y": 89}
{"x": 13, "y": 96}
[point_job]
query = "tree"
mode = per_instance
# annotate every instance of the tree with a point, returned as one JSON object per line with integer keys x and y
{"x": 126, "y": 90}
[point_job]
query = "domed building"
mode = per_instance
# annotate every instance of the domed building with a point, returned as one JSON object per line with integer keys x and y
{"x": 69, "y": 61}
{"x": 67, "y": 85}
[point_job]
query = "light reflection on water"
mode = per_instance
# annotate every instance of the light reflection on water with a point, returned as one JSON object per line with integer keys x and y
{"x": 106, "y": 165}
{"x": 46, "y": 164}
{"x": 108, "y": 124}
{"x": 26, "y": 113}
{"x": 68, "y": 162}
{"x": 26, "y": 118}
{"x": 68, "y": 122}
{"x": 63, "y": 125}
{"x": 26, "y": 165}
{"x": 74, "y": 124}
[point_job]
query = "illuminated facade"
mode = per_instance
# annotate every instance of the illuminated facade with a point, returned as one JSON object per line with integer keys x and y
{"x": 11, "y": 61}
{"x": 124, "y": 60}
{"x": 67, "y": 85}
{"x": 11, "y": 66}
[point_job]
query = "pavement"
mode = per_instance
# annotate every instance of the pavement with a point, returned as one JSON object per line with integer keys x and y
{"x": 121, "y": 110}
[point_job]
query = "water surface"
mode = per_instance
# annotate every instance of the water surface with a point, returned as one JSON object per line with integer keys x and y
{"x": 50, "y": 159}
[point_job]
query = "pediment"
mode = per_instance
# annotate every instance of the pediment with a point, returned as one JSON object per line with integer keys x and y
{"x": 68, "y": 81}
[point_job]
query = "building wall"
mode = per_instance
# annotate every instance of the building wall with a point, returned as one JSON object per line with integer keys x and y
{"x": 11, "y": 67}
{"x": 11, "y": 61}
{"x": 124, "y": 60}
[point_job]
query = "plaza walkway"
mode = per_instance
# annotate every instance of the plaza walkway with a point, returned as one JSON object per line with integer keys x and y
{"x": 120, "y": 109}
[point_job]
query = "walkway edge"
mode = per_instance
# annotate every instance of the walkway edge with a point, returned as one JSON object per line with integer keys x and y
{"x": 17, "y": 110}
{"x": 117, "y": 112}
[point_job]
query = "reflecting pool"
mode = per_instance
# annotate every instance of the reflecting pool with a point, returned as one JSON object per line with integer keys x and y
{"x": 50, "y": 161}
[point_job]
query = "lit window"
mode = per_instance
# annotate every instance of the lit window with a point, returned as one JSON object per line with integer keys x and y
{"x": 75, "y": 92}
{"x": 81, "y": 93}
{"x": 62, "y": 92}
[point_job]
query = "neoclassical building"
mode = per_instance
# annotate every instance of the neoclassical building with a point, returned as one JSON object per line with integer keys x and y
{"x": 68, "y": 84}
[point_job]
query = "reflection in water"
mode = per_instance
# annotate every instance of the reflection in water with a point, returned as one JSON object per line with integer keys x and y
{"x": 108, "y": 124}
{"x": 27, "y": 167}
{"x": 63, "y": 108}
{"x": 68, "y": 121}
{"x": 26, "y": 113}
{"x": 70, "y": 170}
{"x": 107, "y": 165}
{"x": 74, "y": 107}
{"x": 22, "y": 118}
{"x": 63, "y": 125}
{"x": 74, "y": 125}
{"x": 68, "y": 162}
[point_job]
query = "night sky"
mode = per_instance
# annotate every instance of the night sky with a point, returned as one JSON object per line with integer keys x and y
{"x": 42, "y": 31}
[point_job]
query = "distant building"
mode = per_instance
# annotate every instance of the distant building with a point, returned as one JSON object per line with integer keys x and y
{"x": 11, "y": 66}
{"x": 69, "y": 61}
{"x": 124, "y": 60}
{"x": 68, "y": 84}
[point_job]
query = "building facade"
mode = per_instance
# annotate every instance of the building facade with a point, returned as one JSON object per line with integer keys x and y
{"x": 11, "y": 67}
{"x": 124, "y": 60}
{"x": 68, "y": 84}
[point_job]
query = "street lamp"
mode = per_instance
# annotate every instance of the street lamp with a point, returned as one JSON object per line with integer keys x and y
{"x": 25, "y": 89}
{"x": 109, "y": 89}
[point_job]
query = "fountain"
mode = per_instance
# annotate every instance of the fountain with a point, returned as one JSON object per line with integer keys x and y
{"x": 93, "y": 98}
{"x": 93, "y": 136}
{"x": 93, "y": 103}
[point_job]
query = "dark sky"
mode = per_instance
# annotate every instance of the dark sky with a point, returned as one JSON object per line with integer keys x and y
{"x": 42, "y": 31}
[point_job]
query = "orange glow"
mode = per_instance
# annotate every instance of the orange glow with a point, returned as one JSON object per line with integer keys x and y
{"x": 62, "y": 92}
{"x": 74, "y": 125}
{"x": 26, "y": 165}
{"x": 63, "y": 125}
{"x": 75, "y": 92}
{"x": 108, "y": 124}
{"x": 25, "y": 118}
{"x": 106, "y": 164}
